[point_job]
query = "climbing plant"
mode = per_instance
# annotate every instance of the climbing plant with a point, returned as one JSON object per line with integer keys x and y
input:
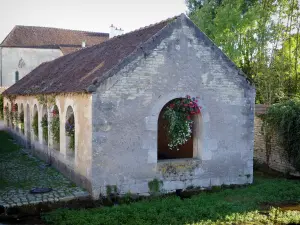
{"x": 35, "y": 125}
{"x": 55, "y": 123}
{"x": 21, "y": 121}
{"x": 70, "y": 130}
{"x": 179, "y": 114}
{"x": 44, "y": 124}
{"x": 283, "y": 119}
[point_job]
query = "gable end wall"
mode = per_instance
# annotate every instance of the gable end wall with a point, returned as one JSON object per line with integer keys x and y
{"x": 126, "y": 108}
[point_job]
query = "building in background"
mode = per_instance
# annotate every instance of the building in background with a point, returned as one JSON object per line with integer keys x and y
{"x": 26, "y": 47}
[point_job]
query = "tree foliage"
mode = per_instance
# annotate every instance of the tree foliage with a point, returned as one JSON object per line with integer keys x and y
{"x": 260, "y": 36}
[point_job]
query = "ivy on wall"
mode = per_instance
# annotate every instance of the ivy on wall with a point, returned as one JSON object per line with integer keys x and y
{"x": 55, "y": 125}
{"x": 283, "y": 119}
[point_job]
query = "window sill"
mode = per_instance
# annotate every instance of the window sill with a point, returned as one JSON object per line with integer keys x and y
{"x": 174, "y": 167}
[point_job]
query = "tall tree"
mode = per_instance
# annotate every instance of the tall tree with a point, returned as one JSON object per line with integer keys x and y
{"x": 254, "y": 34}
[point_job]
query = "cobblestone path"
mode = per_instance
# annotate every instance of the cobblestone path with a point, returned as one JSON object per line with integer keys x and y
{"x": 20, "y": 172}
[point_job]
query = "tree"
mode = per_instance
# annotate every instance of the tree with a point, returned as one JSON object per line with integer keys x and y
{"x": 256, "y": 34}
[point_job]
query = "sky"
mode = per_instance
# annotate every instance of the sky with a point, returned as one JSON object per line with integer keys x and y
{"x": 88, "y": 15}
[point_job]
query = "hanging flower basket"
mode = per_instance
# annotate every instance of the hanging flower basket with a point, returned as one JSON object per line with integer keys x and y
{"x": 179, "y": 114}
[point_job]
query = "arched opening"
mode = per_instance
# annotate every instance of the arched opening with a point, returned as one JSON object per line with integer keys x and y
{"x": 70, "y": 132}
{"x": 7, "y": 114}
{"x": 35, "y": 123}
{"x": 15, "y": 111}
{"x": 11, "y": 115}
{"x": 28, "y": 128}
{"x": 178, "y": 129}
{"x": 55, "y": 128}
{"x": 21, "y": 119}
{"x": 44, "y": 125}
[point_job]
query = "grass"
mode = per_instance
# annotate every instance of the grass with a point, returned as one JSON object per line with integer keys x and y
{"x": 248, "y": 205}
{"x": 18, "y": 171}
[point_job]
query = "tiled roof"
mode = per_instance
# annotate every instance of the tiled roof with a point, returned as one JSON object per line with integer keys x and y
{"x": 76, "y": 71}
{"x": 86, "y": 69}
{"x": 46, "y": 37}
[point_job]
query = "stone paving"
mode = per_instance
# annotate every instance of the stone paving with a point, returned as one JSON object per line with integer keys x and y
{"x": 20, "y": 172}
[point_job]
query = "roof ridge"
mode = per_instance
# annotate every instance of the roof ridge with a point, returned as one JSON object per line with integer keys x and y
{"x": 123, "y": 35}
{"x": 145, "y": 27}
{"x": 57, "y": 28}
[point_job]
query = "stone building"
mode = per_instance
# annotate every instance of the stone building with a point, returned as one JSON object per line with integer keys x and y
{"x": 26, "y": 47}
{"x": 116, "y": 92}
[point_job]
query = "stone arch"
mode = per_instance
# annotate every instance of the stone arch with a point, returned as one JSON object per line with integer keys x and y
{"x": 28, "y": 126}
{"x": 70, "y": 132}
{"x": 7, "y": 114}
{"x": 55, "y": 127}
{"x": 151, "y": 127}
{"x": 21, "y": 119}
{"x": 44, "y": 124}
{"x": 35, "y": 122}
{"x": 186, "y": 150}
{"x": 15, "y": 113}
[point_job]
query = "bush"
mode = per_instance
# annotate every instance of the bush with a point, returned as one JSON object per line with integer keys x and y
{"x": 284, "y": 119}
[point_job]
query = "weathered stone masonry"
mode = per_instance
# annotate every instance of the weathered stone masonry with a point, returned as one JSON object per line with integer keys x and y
{"x": 129, "y": 103}
{"x": 269, "y": 152}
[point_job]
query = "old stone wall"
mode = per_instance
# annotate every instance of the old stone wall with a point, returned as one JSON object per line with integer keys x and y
{"x": 23, "y": 60}
{"x": 127, "y": 105}
{"x": 76, "y": 166}
{"x": 269, "y": 152}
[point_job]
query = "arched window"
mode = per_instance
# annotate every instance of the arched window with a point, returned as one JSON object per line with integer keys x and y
{"x": 16, "y": 76}
{"x": 7, "y": 114}
{"x": 35, "y": 123}
{"x": 55, "y": 128}
{"x": 70, "y": 132}
{"x": 21, "y": 119}
{"x": 15, "y": 111}
{"x": 44, "y": 125}
{"x": 28, "y": 128}
{"x": 178, "y": 124}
